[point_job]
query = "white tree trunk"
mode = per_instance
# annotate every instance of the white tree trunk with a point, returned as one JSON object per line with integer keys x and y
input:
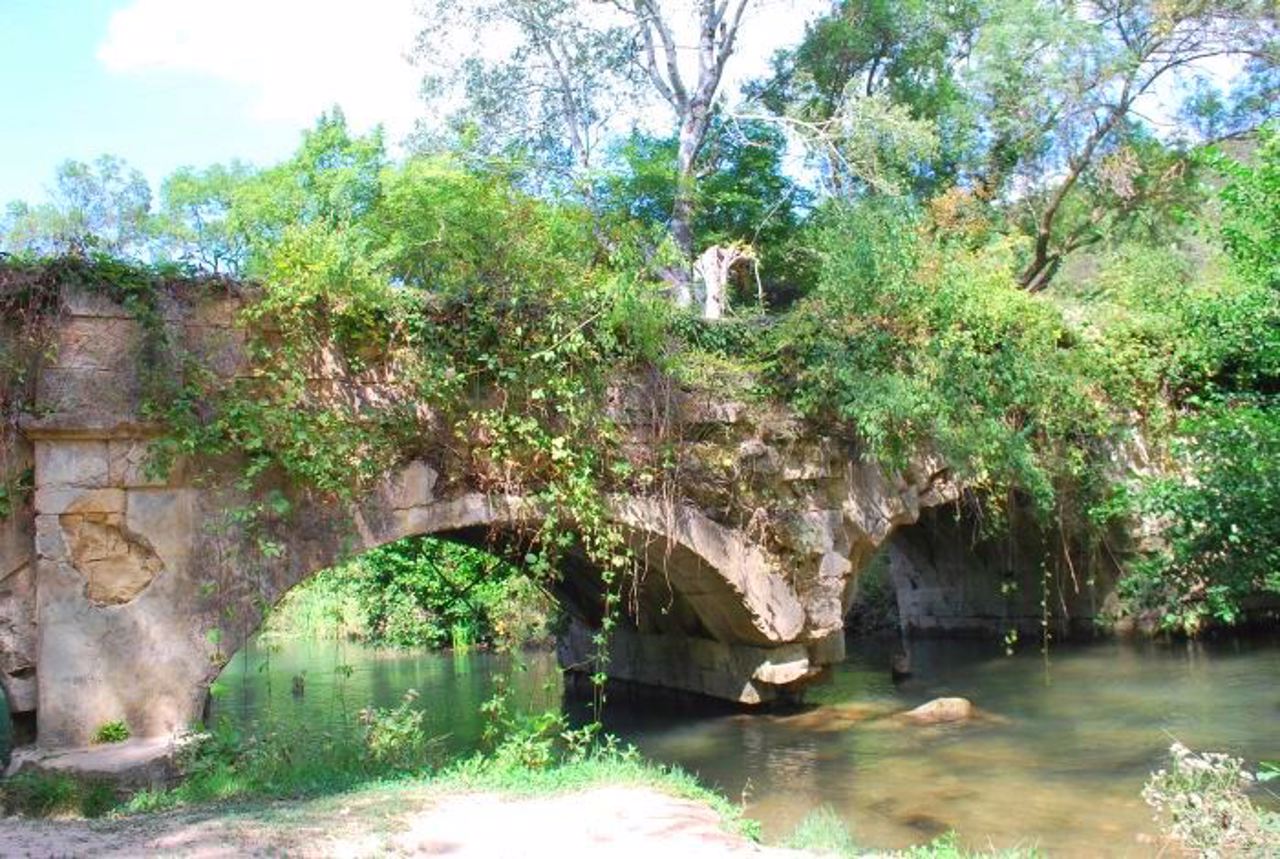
{"x": 713, "y": 269}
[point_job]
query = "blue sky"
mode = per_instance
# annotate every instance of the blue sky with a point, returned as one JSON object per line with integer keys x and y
{"x": 167, "y": 83}
{"x": 68, "y": 105}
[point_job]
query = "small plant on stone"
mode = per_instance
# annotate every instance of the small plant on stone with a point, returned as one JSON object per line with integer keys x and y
{"x": 111, "y": 732}
{"x": 1201, "y": 804}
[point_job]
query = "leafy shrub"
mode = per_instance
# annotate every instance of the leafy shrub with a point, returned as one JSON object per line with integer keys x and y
{"x": 1221, "y": 498}
{"x": 45, "y": 795}
{"x": 111, "y": 732}
{"x": 914, "y": 343}
{"x": 1201, "y": 802}
{"x": 822, "y": 831}
{"x": 394, "y": 737}
{"x": 1223, "y": 514}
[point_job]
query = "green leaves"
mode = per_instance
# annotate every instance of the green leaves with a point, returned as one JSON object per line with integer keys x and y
{"x": 915, "y": 344}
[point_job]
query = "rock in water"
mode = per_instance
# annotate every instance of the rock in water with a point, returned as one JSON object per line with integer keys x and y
{"x": 941, "y": 710}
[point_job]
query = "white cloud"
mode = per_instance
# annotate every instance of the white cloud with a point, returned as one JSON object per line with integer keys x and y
{"x": 297, "y": 57}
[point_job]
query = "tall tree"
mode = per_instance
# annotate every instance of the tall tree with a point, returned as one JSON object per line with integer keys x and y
{"x": 195, "y": 224}
{"x": 103, "y": 206}
{"x": 549, "y": 96}
{"x": 875, "y": 86}
{"x": 692, "y": 98}
{"x": 1039, "y": 108}
{"x": 1062, "y": 85}
{"x": 573, "y": 64}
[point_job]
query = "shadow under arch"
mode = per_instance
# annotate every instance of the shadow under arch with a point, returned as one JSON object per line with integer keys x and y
{"x": 699, "y": 614}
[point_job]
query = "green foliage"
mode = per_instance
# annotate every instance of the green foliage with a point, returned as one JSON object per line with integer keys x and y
{"x": 394, "y": 737}
{"x": 1219, "y": 357}
{"x": 916, "y": 344}
{"x": 103, "y": 207}
{"x": 1223, "y": 511}
{"x": 13, "y": 489}
{"x": 823, "y": 832}
{"x": 324, "y": 607}
{"x": 111, "y": 732}
{"x": 195, "y": 224}
{"x": 49, "y": 795}
{"x": 1251, "y": 223}
{"x": 419, "y": 592}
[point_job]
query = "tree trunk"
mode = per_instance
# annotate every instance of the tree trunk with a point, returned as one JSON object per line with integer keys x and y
{"x": 682, "y": 210}
{"x": 714, "y": 267}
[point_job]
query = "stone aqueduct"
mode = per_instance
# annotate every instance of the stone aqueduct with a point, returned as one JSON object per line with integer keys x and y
{"x": 122, "y": 594}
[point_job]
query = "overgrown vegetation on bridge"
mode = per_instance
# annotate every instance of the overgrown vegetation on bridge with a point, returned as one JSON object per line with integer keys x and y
{"x": 1034, "y": 297}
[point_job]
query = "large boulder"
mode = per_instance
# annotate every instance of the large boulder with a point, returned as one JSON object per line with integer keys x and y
{"x": 941, "y": 711}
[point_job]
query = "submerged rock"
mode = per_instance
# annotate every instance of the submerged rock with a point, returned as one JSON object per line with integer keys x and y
{"x": 941, "y": 710}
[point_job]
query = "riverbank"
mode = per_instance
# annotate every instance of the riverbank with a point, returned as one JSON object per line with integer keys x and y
{"x": 623, "y": 820}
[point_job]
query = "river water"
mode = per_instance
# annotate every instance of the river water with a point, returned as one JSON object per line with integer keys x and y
{"x": 1057, "y": 759}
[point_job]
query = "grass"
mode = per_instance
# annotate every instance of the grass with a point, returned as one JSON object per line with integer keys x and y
{"x": 236, "y": 782}
{"x": 594, "y": 770}
{"x": 320, "y": 776}
{"x": 49, "y": 795}
{"x": 227, "y": 770}
{"x": 824, "y": 833}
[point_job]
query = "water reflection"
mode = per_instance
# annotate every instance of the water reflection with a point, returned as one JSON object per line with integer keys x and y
{"x": 1059, "y": 762}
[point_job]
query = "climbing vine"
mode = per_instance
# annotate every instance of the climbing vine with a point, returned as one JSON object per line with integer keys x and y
{"x": 32, "y": 293}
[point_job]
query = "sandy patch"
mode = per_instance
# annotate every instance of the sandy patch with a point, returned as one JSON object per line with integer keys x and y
{"x": 623, "y": 822}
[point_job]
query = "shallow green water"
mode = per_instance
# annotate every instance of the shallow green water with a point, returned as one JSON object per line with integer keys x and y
{"x": 1058, "y": 762}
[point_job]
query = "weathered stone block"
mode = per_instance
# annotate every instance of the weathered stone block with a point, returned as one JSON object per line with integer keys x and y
{"x": 412, "y": 486}
{"x": 50, "y": 543}
{"x": 219, "y": 349}
{"x": 127, "y": 462}
{"x": 18, "y": 636}
{"x": 89, "y": 398}
{"x": 782, "y": 665}
{"x": 71, "y": 463}
{"x": 83, "y": 303}
{"x": 97, "y": 344}
{"x": 55, "y": 500}
{"x": 165, "y": 520}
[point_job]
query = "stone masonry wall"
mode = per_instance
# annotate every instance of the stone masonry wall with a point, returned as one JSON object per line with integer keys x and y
{"x": 18, "y": 601}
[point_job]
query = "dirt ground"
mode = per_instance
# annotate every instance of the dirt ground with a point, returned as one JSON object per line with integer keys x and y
{"x": 625, "y": 822}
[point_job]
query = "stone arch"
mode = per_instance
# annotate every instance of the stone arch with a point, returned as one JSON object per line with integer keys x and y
{"x": 159, "y": 573}
{"x": 704, "y": 588}
{"x": 950, "y": 578}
